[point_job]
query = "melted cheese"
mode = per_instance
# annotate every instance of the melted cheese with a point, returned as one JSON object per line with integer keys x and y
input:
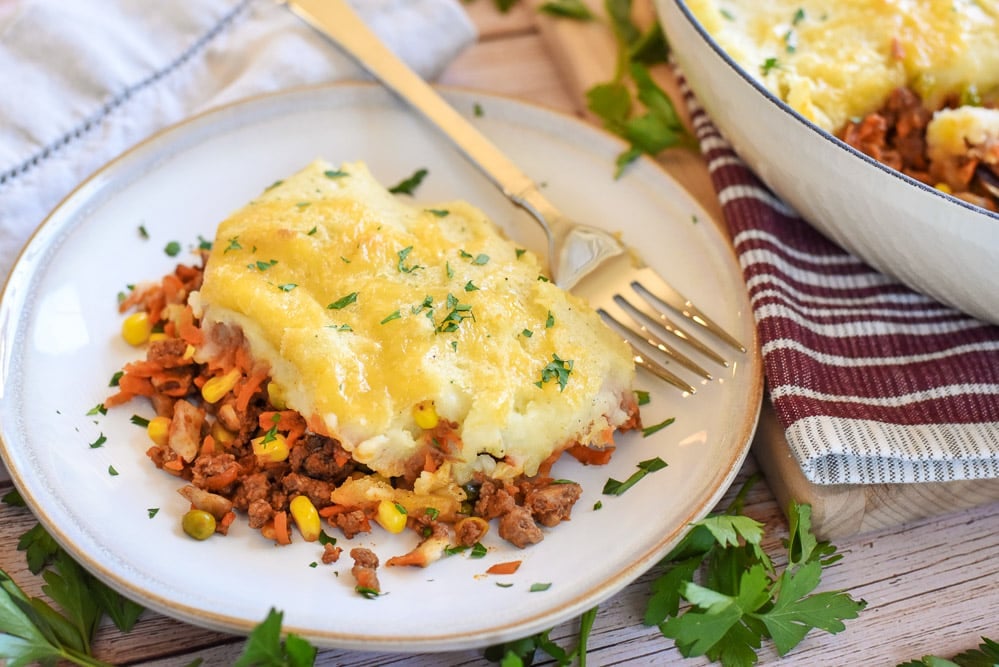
{"x": 833, "y": 61}
{"x": 445, "y": 310}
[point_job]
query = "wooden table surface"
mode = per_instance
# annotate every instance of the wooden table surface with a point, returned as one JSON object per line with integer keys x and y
{"x": 930, "y": 584}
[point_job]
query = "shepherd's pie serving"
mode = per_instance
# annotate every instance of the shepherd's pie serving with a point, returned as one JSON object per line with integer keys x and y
{"x": 347, "y": 346}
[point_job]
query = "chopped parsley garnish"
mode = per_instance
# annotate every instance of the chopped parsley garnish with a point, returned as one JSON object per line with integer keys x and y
{"x": 520, "y": 252}
{"x": 273, "y": 185}
{"x": 343, "y": 301}
{"x": 615, "y": 488}
{"x": 470, "y": 287}
{"x": 233, "y": 245}
{"x": 403, "y": 254}
{"x": 598, "y": 505}
{"x": 312, "y": 231}
{"x": 537, "y": 588}
{"x": 172, "y": 249}
{"x": 152, "y": 511}
{"x": 325, "y": 539}
{"x": 477, "y": 110}
{"x": 503, "y": 584}
{"x": 409, "y": 185}
{"x": 142, "y": 232}
{"x": 113, "y": 382}
{"x": 799, "y": 16}
{"x": 649, "y": 430}
{"x": 559, "y": 370}
{"x": 101, "y": 439}
{"x": 98, "y": 409}
{"x": 335, "y": 173}
{"x": 112, "y": 471}
{"x": 260, "y": 265}
{"x": 400, "y": 509}
{"x": 481, "y": 259}
{"x": 478, "y": 551}
{"x": 287, "y": 287}
{"x": 526, "y": 333}
{"x": 448, "y": 270}
{"x": 303, "y": 204}
{"x": 139, "y": 421}
{"x": 550, "y": 322}
{"x": 366, "y": 592}
{"x": 439, "y": 212}
{"x": 458, "y": 312}
{"x": 203, "y": 243}
{"x": 391, "y": 316}
{"x": 642, "y": 396}
{"x": 340, "y": 327}
{"x": 432, "y": 512}
{"x": 769, "y": 64}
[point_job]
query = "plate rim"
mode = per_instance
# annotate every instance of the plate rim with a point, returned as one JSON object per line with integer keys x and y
{"x": 22, "y": 273}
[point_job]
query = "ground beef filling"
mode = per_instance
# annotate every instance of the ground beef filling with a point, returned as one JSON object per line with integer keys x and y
{"x": 895, "y": 135}
{"x": 214, "y": 447}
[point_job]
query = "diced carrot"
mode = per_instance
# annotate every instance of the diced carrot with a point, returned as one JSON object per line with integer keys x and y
{"x": 137, "y": 386}
{"x": 589, "y": 456}
{"x": 207, "y": 446}
{"x": 223, "y": 525}
{"x": 508, "y": 567}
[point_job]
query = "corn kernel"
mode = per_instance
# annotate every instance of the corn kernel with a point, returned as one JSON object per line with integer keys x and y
{"x": 222, "y": 435}
{"x": 157, "y": 429}
{"x": 391, "y": 516}
{"x": 306, "y": 518}
{"x": 276, "y": 396}
{"x": 220, "y": 385}
{"x": 270, "y": 448}
{"x": 943, "y": 187}
{"x": 189, "y": 352}
{"x": 136, "y": 328}
{"x": 157, "y": 335}
{"x": 425, "y": 415}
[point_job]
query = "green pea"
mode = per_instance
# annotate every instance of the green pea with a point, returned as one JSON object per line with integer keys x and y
{"x": 199, "y": 524}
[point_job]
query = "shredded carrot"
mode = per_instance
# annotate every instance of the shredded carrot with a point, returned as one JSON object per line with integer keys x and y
{"x": 188, "y": 330}
{"x": 508, "y": 567}
{"x": 281, "y": 532}
{"x": 249, "y": 388}
{"x": 223, "y": 525}
{"x": 333, "y": 510}
{"x": 175, "y": 465}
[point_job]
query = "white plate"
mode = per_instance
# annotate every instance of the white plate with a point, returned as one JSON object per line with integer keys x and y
{"x": 59, "y": 346}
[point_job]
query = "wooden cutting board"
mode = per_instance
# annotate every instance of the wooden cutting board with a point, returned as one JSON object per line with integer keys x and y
{"x": 585, "y": 52}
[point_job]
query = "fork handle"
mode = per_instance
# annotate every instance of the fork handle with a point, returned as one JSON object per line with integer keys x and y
{"x": 338, "y": 22}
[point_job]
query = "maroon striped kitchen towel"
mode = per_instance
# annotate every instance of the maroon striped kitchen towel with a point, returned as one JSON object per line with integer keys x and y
{"x": 872, "y": 382}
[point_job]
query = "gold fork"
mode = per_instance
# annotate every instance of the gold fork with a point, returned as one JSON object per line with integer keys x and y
{"x": 586, "y": 260}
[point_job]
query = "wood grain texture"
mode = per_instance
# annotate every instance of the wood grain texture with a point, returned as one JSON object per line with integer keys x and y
{"x": 929, "y": 582}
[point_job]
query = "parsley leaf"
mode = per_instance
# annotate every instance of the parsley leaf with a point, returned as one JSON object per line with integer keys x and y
{"x": 557, "y": 369}
{"x": 740, "y": 598}
{"x": 572, "y": 9}
{"x": 615, "y": 488}
{"x": 264, "y": 647}
{"x": 409, "y": 185}
{"x": 343, "y": 301}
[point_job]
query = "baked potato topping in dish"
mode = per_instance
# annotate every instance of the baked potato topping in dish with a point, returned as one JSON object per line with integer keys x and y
{"x": 380, "y": 358}
{"x": 854, "y": 68}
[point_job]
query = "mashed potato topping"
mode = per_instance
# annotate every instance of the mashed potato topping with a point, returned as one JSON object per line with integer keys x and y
{"x": 369, "y": 309}
{"x": 834, "y": 61}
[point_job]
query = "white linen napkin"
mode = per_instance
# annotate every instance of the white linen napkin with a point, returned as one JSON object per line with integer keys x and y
{"x": 82, "y": 81}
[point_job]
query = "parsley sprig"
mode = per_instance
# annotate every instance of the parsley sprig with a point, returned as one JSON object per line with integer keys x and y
{"x": 736, "y": 594}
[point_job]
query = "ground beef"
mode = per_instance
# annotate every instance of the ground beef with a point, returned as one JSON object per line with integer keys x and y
{"x": 321, "y": 458}
{"x": 469, "y": 531}
{"x": 518, "y": 527}
{"x": 552, "y": 504}
{"x": 259, "y": 513}
{"x": 317, "y": 490}
{"x": 365, "y": 565}
{"x": 494, "y": 500}
{"x": 215, "y": 473}
{"x": 352, "y": 523}
{"x": 331, "y": 553}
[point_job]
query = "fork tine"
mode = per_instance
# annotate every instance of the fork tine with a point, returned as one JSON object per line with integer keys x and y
{"x": 663, "y": 321}
{"x": 654, "y": 285}
{"x": 620, "y": 316}
{"x": 643, "y": 361}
